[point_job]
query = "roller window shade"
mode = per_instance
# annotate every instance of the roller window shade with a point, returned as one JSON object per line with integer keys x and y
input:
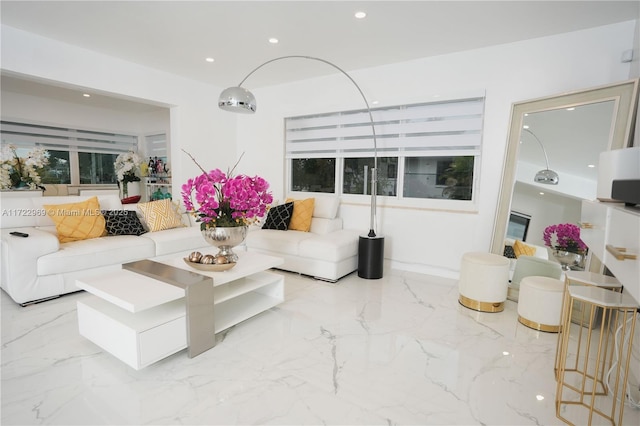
{"x": 445, "y": 128}
{"x": 58, "y": 138}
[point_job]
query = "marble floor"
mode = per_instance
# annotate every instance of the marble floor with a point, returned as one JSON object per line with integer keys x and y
{"x": 399, "y": 350}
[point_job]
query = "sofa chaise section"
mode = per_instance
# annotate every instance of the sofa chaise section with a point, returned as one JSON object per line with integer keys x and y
{"x": 327, "y": 252}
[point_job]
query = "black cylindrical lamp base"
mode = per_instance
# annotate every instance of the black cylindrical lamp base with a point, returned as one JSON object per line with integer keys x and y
{"x": 370, "y": 257}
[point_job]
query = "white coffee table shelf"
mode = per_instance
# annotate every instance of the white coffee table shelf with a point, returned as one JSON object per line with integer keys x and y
{"x": 141, "y": 320}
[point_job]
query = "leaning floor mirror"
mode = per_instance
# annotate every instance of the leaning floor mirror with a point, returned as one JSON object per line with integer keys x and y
{"x": 553, "y": 148}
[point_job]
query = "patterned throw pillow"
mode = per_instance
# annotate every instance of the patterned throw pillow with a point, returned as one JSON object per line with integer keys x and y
{"x": 302, "y": 213}
{"x": 160, "y": 215}
{"x": 122, "y": 222}
{"x": 520, "y": 248}
{"x": 77, "y": 221}
{"x": 279, "y": 217}
{"x": 509, "y": 253}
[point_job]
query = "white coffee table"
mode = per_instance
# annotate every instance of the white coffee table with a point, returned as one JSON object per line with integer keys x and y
{"x": 141, "y": 320}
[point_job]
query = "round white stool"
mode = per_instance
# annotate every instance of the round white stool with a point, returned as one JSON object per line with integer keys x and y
{"x": 484, "y": 279}
{"x": 540, "y": 303}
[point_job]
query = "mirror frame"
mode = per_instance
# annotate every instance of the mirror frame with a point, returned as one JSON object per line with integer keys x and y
{"x": 625, "y": 95}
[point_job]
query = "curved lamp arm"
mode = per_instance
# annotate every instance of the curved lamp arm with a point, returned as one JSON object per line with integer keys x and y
{"x": 546, "y": 159}
{"x": 247, "y": 104}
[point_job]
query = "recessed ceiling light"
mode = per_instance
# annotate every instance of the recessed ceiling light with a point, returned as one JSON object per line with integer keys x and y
{"x": 525, "y": 127}
{"x": 505, "y": 353}
{"x": 591, "y": 166}
{"x": 209, "y": 59}
{"x": 570, "y": 109}
{"x": 541, "y": 193}
{"x": 86, "y": 95}
{"x": 375, "y": 102}
{"x": 360, "y": 15}
{"x": 273, "y": 40}
{"x": 539, "y": 397}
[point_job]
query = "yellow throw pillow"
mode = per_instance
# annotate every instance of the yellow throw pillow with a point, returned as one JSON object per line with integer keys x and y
{"x": 302, "y": 213}
{"x": 77, "y": 221}
{"x": 160, "y": 215}
{"x": 520, "y": 248}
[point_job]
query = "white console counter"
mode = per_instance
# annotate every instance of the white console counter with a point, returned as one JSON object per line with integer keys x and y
{"x": 612, "y": 233}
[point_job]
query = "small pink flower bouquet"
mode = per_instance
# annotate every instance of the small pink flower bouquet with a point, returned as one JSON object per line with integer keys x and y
{"x": 564, "y": 236}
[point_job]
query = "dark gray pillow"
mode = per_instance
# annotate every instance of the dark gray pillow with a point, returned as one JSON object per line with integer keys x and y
{"x": 279, "y": 217}
{"x": 122, "y": 222}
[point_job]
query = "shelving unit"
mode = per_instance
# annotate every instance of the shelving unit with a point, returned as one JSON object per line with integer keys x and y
{"x": 156, "y": 185}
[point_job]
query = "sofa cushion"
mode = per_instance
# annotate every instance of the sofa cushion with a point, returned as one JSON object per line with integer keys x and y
{"x": 77, "y": 221}
{"x": 332, "y": 247}
{"x": 302, "y": 214}
{"x": 94, "y": 253}
{"x": 521, "y": 249}
{"x": 19, "y": 212}
{"x": 277, "y": 241}
{"x": 326, "y": 207}
{"x": 323, "y": 226}
{"x": 176, "y": 239}
{"x": 122, "y": 222}
{"x": 160, "y": 215}
{"x": 279, "y": 217}
{"x": 107, "y": 202}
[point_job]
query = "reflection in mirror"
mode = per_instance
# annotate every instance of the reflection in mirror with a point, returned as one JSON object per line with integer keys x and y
{"x": 573, "y": 128}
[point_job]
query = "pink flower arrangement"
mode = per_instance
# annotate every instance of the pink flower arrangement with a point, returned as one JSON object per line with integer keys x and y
{"x": 564, "y": 236}
{"x": 226, "y": 201}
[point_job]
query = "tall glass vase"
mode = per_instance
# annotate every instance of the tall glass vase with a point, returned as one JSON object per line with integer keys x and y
{"x": 124, "y": 189}
{"x": 225, "y": 238}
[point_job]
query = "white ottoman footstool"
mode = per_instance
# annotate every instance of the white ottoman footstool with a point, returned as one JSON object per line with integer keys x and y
{"x": 540, "y": 303}
{"x": 484, "y": 279}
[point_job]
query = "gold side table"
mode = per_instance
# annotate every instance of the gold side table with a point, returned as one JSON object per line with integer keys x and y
{"x": 587, "y": 389}
{"x": 583, "y": 278}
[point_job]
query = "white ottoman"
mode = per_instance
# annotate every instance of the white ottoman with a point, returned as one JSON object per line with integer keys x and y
{"x": 540, "y": 303}
{"x": 484, "y": 279}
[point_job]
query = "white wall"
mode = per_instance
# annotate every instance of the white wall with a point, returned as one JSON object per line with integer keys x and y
{"x": 422, "y": 240}
{"x": 434, "y": 240}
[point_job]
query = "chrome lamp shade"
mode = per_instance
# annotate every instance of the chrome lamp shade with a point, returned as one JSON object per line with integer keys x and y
{"x": 547, "y": 177}
{"x": 237, "y": 99}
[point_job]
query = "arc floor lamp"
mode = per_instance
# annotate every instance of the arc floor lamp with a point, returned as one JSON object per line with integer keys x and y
{"x": 370, "y": 246}
{"x": 546, "y": 176}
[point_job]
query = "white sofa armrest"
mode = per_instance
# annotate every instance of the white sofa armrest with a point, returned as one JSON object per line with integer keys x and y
{"x": 20, "y": 256}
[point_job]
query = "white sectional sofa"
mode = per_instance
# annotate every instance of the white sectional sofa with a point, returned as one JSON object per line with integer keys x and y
{"x": 40, "y": 267}
{"x": 327, "y": 252}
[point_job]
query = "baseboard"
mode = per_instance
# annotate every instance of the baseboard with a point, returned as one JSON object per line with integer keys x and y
{"x": 425, "y": 269}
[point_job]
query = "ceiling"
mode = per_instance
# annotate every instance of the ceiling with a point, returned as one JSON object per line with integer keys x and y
{"x": 177, "y": 36}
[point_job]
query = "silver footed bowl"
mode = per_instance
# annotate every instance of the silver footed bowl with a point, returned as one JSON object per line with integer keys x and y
{"x": 225, "y": 239}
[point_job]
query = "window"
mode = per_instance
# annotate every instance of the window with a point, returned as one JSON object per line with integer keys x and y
{"x": 439, "y": 177}
{"x": 518, "y": 226}
{"x": 356, "y": 178}
{"x": 75, "y": 156}
{"x": 96, "y": 168}
{"x": 313, "y": 174}
{"x": 424, "y": 151}
{"x": 58, "y": 170}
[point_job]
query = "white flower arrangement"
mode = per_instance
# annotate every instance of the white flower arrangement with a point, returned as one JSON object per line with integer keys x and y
{"x": 126, "y": 166}
{"x": 17, "y": 172}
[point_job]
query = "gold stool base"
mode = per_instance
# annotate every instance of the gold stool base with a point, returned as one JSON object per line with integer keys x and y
{"x": 481, "y": 306}
{"x": 537, "y": 326}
